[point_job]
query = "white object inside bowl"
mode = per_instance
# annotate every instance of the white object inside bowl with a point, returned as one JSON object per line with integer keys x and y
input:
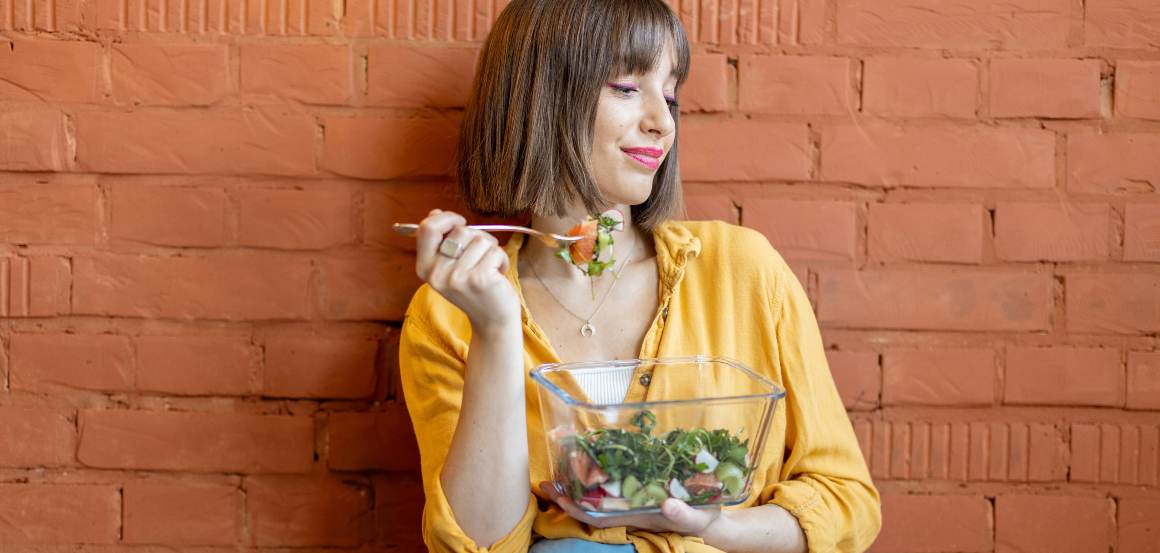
{"x": 604, "y": 387}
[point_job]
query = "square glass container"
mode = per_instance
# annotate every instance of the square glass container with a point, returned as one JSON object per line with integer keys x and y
{"x": 700, "y": 443}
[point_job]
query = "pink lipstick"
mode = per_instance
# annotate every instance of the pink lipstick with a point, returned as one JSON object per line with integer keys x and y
{"x": 648, "y": 156}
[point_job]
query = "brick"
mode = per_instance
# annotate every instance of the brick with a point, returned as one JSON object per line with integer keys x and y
{"x": 1142, "y": 232}
{"x": 795, "y": 85}
{"x": 920, "y": 87}
{"x": 947, "y": 233}
{"x": 1065, "y": 89}
{"x": 1138, "y": 89}
{"x": 1144, "y": 380}
{"x": 169, "y": 216}
{"x": 1085, "y": 453}
{"x": 991, "y": 24}
{"x": 181, "y": 513}
{"x": 48, "y": 214}
{"x": 1079, "y": 376}
{"x": 807, "y": 20}
{"x": 936, "y": 523}
{"x": 813, "y": 229}
{"x": 284, "y": 511}
{"x": 197, "y": 365}
{"x": 36, "y": 437}
{"x": 235, "y": 287}
{"x": 34, "y": 139}
{"x": 378, "y": 440}
{"x": 389, "y": 384}
{"x": 959, "y": 377}
{"x": 366, "y": 18}
{"x": 228, "y": 142}
{"x": 48, "y": 513}
{"x": 1113, "y": 163}
{"x": 935, "y": 300}
{"x": 47, "y": 70}
{"x": 1122, "y": 23}
{"x": 414, "y": 77}
{"x": 954, "y": 157}
{"x": 1053, "y": 231}
{"x": 196, "y": 442}
{"x": 322, "y": 18}
{"x": 858, "y": 377}
{"x": 920, "y": 447}
{"x": 978, "y": 455}
{"x": 1048, "y": 454}
{"x": 35, "y": 286}
{"x": 170, "y": 74}
{"x": 1057, "y": 523}
{"x": 57, "y": 362}
{"x": 740, "y": 150}
{"x": 710, "y": 207}
{"x": 403, "y": 202}
{"x": 1150, "y": 457}
{"x": 1113, "y": 303}
{"x": 312, "y": 366}
{"x": 367, "y": 288}
{"x": 879, "y": 458}
{"x": 389, "y": 147}
{"x": 399, "y": 510}
{"x": 707, "y": 88}
{"x": 315, "y": 218}
{"x": 308, "y": 73}
{"x": 1139, "y": 524}
{"x": 1128, "y": 450}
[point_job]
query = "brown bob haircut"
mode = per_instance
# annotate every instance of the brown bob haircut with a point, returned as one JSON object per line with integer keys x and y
{"x": 527, "y": 128}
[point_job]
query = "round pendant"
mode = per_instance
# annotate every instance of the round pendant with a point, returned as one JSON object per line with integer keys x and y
{"x": 587, "y": 330}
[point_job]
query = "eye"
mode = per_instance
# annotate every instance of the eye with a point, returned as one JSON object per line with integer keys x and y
{"x": 623, "y": 89}
{"x": 672, "y": 101}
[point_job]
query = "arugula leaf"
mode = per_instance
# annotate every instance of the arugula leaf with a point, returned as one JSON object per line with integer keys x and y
{"x": 644, "y": 459}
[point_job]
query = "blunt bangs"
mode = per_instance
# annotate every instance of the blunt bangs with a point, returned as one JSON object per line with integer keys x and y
{"x": 639, "y": 38}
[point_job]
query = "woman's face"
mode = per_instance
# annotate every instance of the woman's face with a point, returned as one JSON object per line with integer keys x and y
{"x": 634, "y": 131}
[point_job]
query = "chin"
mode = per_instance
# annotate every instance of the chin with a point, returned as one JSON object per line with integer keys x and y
{"x": 630, "y": 197}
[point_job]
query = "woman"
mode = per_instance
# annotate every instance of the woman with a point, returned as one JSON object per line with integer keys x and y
{"x": 573, "y": 112}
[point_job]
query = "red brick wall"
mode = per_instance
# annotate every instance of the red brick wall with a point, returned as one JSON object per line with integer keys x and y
{"x": 199, "y": 294}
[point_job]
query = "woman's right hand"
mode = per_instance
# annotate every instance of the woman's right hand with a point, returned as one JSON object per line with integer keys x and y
{"x": 476, "y": 281}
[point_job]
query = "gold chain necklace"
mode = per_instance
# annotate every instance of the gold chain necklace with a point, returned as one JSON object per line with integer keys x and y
{"x": 587, "y": 329}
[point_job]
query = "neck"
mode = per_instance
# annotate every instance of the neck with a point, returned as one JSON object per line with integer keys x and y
{"x": 547, "y": 265}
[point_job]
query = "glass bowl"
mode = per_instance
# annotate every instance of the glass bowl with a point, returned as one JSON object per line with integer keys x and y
{"x": 700, "y": 443}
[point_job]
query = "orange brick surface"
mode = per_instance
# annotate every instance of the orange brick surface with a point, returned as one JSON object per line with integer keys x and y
{"x": 201, "y": 294}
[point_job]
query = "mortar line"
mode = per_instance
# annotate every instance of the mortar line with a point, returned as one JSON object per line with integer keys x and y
{"x": 26, "y": 286}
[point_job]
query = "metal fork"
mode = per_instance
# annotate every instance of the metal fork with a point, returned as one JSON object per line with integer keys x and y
{"x": 551, "y": 240}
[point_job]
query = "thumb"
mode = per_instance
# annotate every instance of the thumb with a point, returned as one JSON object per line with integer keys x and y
{"x": 683, "y": 516}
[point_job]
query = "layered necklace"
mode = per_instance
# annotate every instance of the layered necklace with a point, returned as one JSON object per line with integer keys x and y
{"x": 587, "y": 329}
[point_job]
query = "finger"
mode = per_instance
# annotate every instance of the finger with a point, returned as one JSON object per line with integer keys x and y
{"x": 465, "y": 265}
{"x": 568, "y": 505}
{"x": 440, "y": 265}
{"x": 432, "y": 231}
{"x": 685, "y": 518}
{"x": 495, "y": 259}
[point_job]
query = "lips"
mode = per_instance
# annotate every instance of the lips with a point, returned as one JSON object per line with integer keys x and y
{"x": 648, "y": 156}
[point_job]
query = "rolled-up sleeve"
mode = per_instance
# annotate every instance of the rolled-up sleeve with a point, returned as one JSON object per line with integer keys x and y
{"x": 824, "y": 481}
{"x": 431, "y": 373}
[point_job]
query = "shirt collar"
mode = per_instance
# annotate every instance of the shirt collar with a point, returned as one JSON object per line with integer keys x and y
{"x": 675, "y": 245}
{"x": 674, "y": 242}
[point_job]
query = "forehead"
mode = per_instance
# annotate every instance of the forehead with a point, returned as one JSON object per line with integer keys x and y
{"x": 651, "y": 44}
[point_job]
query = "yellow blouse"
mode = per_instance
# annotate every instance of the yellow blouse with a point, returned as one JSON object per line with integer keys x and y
{"x": 724, "y": 291}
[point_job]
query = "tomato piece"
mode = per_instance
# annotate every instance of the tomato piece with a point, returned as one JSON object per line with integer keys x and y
{"x": 583, "y": 251}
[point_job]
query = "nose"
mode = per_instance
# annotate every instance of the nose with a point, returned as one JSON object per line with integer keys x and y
{"x": 658, "y": 119}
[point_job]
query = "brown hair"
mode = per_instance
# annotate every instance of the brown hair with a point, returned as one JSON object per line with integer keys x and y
{"x": 527, "y": 129}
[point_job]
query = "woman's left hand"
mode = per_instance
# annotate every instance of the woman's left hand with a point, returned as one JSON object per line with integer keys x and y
{"x": 676, "y": 515}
